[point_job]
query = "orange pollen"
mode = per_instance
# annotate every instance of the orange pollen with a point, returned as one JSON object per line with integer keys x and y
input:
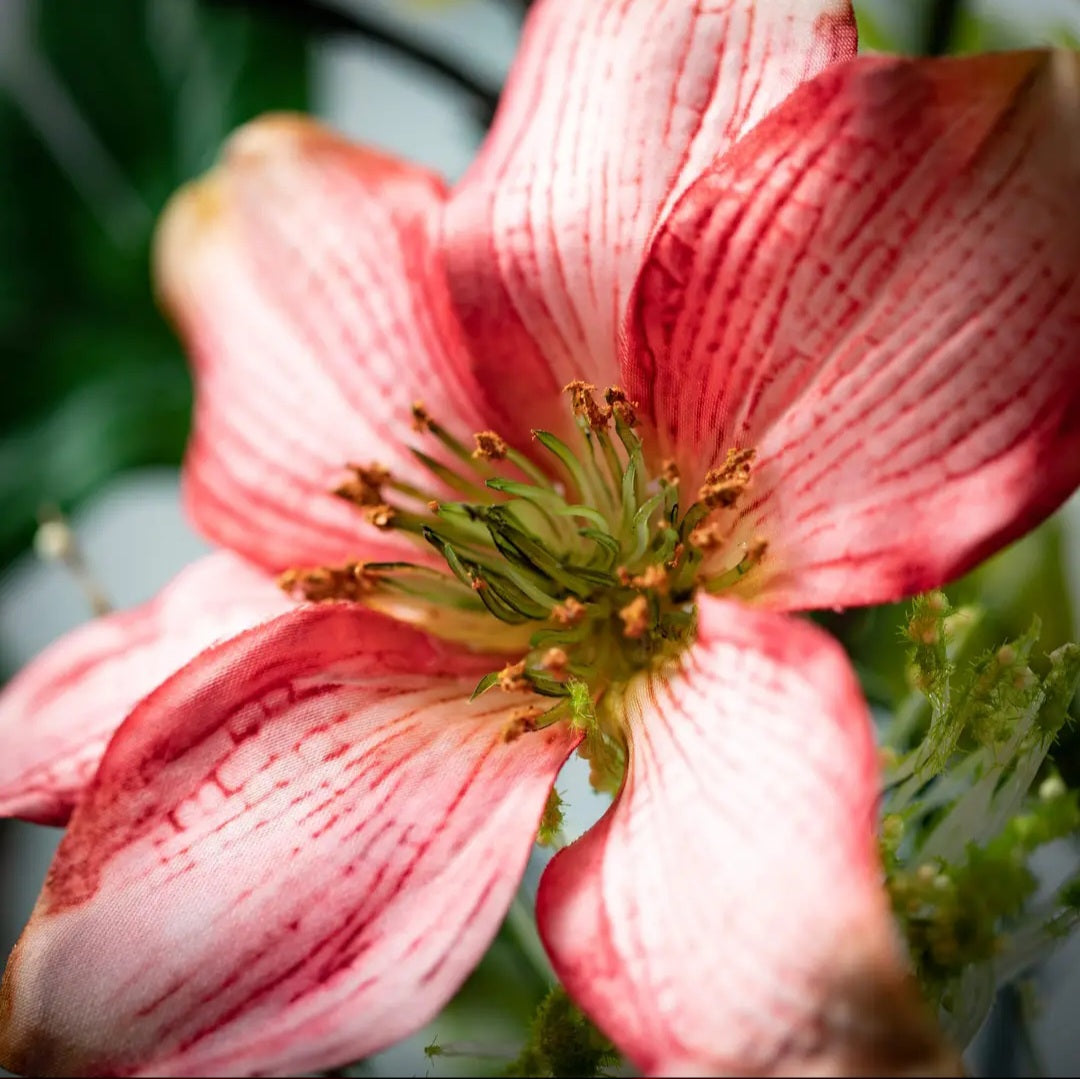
{"x": 522, "y": 721}
{"x": 581, "y": 396}
{"x": 653, "y": 577}
{"x": 512, "y": 676}
{"x": 669, "y": 471}
{"x": 635, "y": 618}
{"x": 381, "y": 516}
{"x": 708, "y": 536}
{"x": 321, "y": 584}
{"x": 555, "y": 659}
{"x": 489, "y": 446}
{"x": 421, "y": 418}
{"x": 621, "y": 405}
{"x": 568, "y": 613}
{"x": 364, "y": 488}
{"x": 724, "y": 485}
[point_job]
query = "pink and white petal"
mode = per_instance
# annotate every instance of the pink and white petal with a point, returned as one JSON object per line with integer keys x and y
{"x": 58, "y": 714}
{"x": 302, "y": 275}
{"x": 293, "y": 853}
{"x": 727, "y": 915}
{"x": 612, "y": 108}
{"x": 879, "y": 289}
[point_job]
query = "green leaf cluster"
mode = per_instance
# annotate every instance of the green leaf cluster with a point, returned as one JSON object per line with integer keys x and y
{"x": 970, "y": 802}
{"x": 563, "y": 1042}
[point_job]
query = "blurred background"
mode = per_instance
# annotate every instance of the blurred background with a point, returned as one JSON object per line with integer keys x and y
{"x": 105, "y": 109}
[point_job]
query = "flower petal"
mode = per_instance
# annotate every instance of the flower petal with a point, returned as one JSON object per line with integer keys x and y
{"x": 291, "y": 856}
{"x": 611, "y": 110}
{"x": 58, "y": 713}
{"x": 302, "y": 276}
{"x": 727, "y": 915}
{"x": 879, "y": 289}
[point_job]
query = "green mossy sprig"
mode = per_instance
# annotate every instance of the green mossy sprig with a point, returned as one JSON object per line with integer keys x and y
{"x": 969, "y": 799}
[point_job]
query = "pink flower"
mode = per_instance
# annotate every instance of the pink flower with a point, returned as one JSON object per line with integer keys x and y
{"x": 298, "y": 845}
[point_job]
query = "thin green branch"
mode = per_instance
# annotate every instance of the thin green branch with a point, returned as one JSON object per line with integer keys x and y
{"x": 319, "y": 17}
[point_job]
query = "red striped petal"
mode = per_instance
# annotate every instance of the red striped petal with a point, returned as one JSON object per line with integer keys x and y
{"x": 612, "y": 108}
{"x": 879, "y": 288}
{"x": 291, "y": 856}
{"x": 726, "y": 916}
{"x": 58, "y": 714}
{"x": 302, "y": 277}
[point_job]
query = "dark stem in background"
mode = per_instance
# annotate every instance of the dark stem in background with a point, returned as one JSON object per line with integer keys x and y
{"x": 317, "y": 17}
{"x": 941, "y": 25}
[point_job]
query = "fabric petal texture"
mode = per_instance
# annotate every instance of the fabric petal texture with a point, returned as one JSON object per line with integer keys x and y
{"x": 877, "y": 290}
{"x": 727, "y": 915}
{"x": 611, "y": 110}
{"x": 302, "y": 275}
{"x": 293, "y": 853}
{"x": 59, "y": 712}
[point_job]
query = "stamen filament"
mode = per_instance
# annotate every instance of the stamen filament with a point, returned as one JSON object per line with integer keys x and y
{"x": 450, "y": 477}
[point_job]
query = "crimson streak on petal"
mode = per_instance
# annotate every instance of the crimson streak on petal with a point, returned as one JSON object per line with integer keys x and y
{"x": 58, "y": 714}
{"x": 293, "y": 853}
{"x": 727, "y": 916}
{"x": 878, "y": 289}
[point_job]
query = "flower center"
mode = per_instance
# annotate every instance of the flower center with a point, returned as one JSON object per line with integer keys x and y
{"x": 585, "y": 568}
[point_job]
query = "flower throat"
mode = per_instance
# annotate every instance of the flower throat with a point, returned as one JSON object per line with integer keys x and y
{"x": 586, "y": 570}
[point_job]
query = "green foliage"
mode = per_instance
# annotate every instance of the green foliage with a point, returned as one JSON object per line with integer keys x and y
{"x": 563, "y": 1042}
{"x": 108, "y": 108}
{"x": 550, "y": 832}
{"x": 969, "y": 801}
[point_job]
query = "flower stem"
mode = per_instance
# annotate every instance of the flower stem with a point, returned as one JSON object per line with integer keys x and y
{"x": 521, "y": 923}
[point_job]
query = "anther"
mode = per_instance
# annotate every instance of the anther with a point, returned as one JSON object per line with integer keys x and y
{"x": 620, "y": 405}
{"x": 365, "y": 486}
{"x": 708, "y": 536}
{"x": 489, "y": 446}
{"x": 635, "y": 617}
{"x": 421, "y": 418}
{"x": 653, "y": 577}
{"x": 381, "y": 516}
{"x": 669, "y": 472}
{"x": 511, "y": 677}
{"x": 724, "y": 485}
{"x": 320, "y": 584}
{"x": 555, "y": 660}
{"x": 584, "y": 404}
{"x": 522, "y": 721}
{"x": 568, "y": 613}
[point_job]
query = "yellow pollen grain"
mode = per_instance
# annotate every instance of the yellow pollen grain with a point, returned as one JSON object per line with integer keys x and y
{"x": 489, "y": 446}
{"x": 635, "y": 618}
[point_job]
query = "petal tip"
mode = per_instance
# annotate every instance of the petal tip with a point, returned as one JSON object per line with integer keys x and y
{"x": 272, "y": 135}
{"x": 188, "y": 218}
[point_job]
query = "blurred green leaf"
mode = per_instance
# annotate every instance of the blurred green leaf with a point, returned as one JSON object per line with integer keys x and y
{"x": 105, "y": 109}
